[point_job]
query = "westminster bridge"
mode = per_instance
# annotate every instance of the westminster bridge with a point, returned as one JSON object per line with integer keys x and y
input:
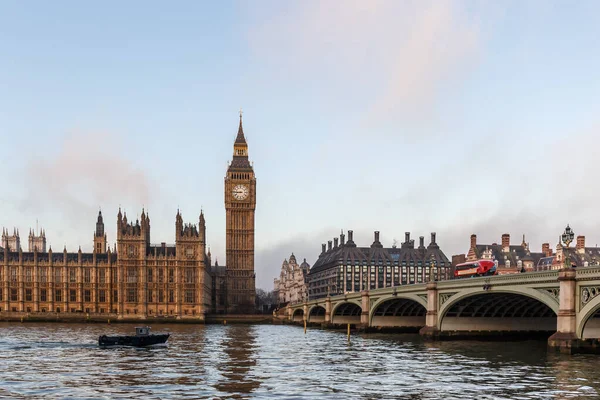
{"x": 563, "y": 303}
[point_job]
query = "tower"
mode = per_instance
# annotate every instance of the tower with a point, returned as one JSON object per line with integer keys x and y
{"x": 240, "y": 203}
{"x": 11, "y": 242}
{"x": 100, "y": 236}
{"x": 37, "y": 242}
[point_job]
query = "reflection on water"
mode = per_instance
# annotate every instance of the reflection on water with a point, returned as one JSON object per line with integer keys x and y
{"x": 262, "y": 361}
{"x": 239, "y": 345}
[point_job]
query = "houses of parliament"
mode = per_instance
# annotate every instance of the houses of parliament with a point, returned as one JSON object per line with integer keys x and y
{"x": 137, "y": 279}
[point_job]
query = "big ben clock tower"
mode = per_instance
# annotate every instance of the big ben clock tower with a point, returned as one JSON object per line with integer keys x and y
{"x": 240, "y": 203}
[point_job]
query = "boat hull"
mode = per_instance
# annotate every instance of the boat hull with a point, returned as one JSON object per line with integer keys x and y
{"x": 135, "y": 341}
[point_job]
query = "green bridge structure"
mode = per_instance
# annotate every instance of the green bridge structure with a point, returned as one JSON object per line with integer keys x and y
{"x": 562, "y": 304}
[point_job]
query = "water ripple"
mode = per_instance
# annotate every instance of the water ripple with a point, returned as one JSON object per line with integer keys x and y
{"x": 263, "y": 361}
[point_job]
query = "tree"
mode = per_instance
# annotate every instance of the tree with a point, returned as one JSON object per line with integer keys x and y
{"x": 265, "y": 301}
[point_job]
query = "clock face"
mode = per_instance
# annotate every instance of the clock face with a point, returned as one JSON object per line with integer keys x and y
{"x": 240, "y": 192}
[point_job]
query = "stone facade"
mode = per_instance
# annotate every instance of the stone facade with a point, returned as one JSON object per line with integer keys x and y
{"x": 11, "y": 242}
{"x": 578, "y": 256}
{"x": 342, "y": 267}
{"x": 509, "y": 258}
{"x": 240, "y": 203}
{"x": 37, "y": 241}
{"x": 138, "y": 279}
{"x": 292, "y": 285}
{"x": 512, "y": 259}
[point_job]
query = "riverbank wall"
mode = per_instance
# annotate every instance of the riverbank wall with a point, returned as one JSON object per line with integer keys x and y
{"x": 222, "y": 319}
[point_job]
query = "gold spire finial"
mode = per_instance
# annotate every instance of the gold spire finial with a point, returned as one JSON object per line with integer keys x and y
{"x": 241, "y": 112}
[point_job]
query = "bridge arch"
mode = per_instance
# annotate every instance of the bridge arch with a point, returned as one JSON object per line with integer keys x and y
{"x": 503, "y": 310}
{"x": 316, "y": 314}
{"x": 298, "y": 315}
{"x": 402, "y": 312}
{"x": 346, "y": 312}
{"x": 588, "y": 321}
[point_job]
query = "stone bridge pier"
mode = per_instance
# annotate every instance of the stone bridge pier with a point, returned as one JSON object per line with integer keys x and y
{"x": 565, "y": 338}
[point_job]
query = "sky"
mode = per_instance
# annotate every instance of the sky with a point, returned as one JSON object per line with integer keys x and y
{"x": 457, "y": 117}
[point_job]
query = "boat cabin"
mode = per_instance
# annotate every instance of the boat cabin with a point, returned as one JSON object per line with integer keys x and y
{"x": 142, "y": 331}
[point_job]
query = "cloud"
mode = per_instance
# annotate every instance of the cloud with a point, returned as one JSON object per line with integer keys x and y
{"x": 386, "y": 57}
{"x": 88, "y": 172}
{"x": 435, "y": 47}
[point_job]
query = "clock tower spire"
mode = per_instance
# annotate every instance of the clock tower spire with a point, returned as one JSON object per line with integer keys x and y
{"x": 240, "y": 203}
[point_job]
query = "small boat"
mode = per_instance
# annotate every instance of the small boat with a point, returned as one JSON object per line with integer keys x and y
{"x": 142, "y": 338}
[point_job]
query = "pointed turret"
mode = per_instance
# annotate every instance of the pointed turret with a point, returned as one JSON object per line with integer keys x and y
{"x": 100, "y": 234}
{"x": 240, "y": 139}
{"x": 240, "y": 150}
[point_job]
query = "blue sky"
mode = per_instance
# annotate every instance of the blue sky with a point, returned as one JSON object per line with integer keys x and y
{"x": 454, "y": 117}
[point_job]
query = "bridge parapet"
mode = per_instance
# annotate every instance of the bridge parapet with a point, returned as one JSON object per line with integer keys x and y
{"x": 567, "y": 299}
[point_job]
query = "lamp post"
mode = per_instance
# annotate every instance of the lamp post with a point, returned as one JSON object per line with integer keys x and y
{"x": 567, "y": 238}
{"x": 431, "y": 266}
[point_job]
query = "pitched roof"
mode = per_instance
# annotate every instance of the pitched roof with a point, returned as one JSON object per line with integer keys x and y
{"x": 514, "y": 254}
{"x": 348, "y": 253}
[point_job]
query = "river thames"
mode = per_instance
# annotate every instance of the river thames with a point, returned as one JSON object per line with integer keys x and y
{"x": 266, "y": 361}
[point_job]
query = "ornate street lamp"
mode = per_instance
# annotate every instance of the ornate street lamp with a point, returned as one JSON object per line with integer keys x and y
{"x": 431, "y": 266}
{"x": 567, "y": 237}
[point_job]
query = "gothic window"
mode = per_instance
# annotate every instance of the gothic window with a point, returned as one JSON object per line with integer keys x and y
{"x": 149, "y": 296}
{"x": 72, "y": 295}
{"x": 150, "y": 275}
{"x": 189, "y": 275}
{"x": 102, "y": 275}
{"x": 72, "y": 276}
{"x": 161, "y": 296}
{"x": 102, "y": 296}
{"x": 43, "y": 295}
{"x": 14, "y": 295}
{"x": 161, "y": 276}
{"x": 43, "y": 275}
{"x": 87, "y": 295}
{"x": 171, "y": 296}
{"x": 171, "y": 275}
{"x": 28, "y": 274}
{"x": 58, "y": 295}
{"x": 131, "y": 298}
{"x": 87, "y": 275}
{"x": 132, "y": 275}
{"x": 28, "y": 296}
{"x": 116, "y": 296}
{"x": 189, "y": 296}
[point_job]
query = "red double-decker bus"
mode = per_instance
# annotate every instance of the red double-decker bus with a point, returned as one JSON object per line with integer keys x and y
{"x": 475, "y": 268}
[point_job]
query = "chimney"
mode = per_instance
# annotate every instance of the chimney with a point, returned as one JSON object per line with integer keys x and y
{"x": 323, "y": 245}
{"x": 350, "y": 234}
{"x": 335, "y": 242}
{"x": 473, "y": 240}
{"x": 432, "y": 237}
{"x": 407, "y": 237}
{"x": 505, "y": 242}
{"x": 421, "y": 242}
{"x": 342, "y": 239}
{"x": 376, "y": 236}
{"x": 580, "y": 246}
{"x": 329, "y": 245}
{"x": 546, "y": 249}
